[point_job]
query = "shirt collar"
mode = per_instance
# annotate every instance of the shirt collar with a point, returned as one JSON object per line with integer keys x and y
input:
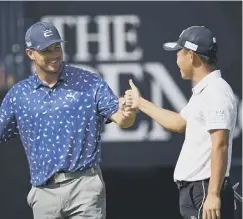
{"x": 38, "y": 82}
{"x": 205, "y": 81}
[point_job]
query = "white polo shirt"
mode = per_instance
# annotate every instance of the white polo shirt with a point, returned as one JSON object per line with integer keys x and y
{"x": 212, "y": 106}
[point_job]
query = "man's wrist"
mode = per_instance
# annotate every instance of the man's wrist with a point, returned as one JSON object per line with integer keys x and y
{"x": 213, "y": 191}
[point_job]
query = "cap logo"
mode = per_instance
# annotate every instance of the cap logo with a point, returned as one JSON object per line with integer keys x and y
{"x": 28, "y": 44}
{"x": 47, "y": 33}
{"x": 191, "y": 46}
{"x": 214, "y": 40}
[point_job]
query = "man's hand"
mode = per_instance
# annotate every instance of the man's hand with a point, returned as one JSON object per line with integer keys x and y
{"x": 211, "y": 207}
{"x": 132, "y": 96}
{"x": 126, "y": 110}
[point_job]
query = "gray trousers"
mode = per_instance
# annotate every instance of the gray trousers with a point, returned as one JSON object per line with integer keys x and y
{"x": 79, "y": 198}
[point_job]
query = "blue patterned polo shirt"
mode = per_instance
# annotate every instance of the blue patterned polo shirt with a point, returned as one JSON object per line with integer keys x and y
{"x": 60, "y": 127}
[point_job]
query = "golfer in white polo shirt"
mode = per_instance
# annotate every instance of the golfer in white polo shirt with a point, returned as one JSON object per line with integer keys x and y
{"x": 203, "y": 168}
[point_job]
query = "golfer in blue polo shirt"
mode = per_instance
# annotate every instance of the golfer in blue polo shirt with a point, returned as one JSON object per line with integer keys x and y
{"x": 59, "y": 113}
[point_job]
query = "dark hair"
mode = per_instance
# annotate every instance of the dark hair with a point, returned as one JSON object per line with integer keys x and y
{"x": 211, "y": 61}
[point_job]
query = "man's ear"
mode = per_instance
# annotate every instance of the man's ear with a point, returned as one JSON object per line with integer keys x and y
{"x": 195, "y": 58}
{"x": 192, "y": 55}
{"x": 30, "y": 53}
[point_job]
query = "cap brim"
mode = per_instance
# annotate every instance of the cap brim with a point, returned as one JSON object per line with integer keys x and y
{"x": 172, "y": 46}
{"x": 46, "y": 44}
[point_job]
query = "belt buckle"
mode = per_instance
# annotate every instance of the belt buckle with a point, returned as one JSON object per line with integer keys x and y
{"x": 58, "y": 177}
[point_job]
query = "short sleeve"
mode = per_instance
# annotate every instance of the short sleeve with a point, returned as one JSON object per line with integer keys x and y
{"x": 107, "y": 101}
{"x": 183, "y": 112}
{"x": 219, "y": 113}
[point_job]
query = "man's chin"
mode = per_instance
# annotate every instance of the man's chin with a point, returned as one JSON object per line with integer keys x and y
{"x": 54, "y": 71}
{"x": 184, "y": 76}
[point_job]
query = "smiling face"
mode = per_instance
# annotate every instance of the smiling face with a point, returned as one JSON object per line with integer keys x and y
{"x": 49, "y": 60}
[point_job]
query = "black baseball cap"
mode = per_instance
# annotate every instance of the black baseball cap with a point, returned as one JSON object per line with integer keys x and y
{"x": 196, "y": 38}
{"x": 41, "y": 35}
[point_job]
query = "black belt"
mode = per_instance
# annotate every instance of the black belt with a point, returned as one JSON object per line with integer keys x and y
{"x": 183, "y": 184}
